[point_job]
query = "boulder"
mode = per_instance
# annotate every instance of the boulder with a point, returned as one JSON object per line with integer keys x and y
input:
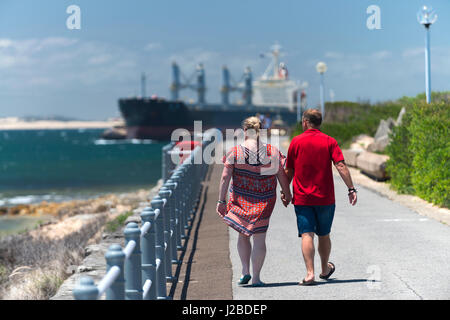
{"x": 350, "y": 156}
{"x": 373, "y": 164}
{"x": 361, "y": 142}
{"x": 384, "y": 128}
{"x": 400, "y": 117}
{"x": 379, "y": 145}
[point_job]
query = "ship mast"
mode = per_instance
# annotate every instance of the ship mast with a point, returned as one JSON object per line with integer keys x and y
{"x": 274, "y": 64}
{"x": 276, "y": 53}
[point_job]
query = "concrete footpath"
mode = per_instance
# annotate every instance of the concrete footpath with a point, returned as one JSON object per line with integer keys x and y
{"x": 381, "y": 249}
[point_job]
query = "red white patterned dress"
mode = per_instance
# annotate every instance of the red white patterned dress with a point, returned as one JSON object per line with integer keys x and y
{"x": 252, "y": 193}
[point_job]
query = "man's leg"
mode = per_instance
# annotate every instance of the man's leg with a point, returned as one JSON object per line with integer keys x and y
{"x": 308, "y": 254}
{"x": 324, "y": 252}
{"x": 324, "y": 217}
{"x": 306, "y": 225}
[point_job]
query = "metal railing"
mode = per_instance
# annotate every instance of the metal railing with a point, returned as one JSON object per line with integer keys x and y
{"x": 142, "y": 269}
{"x": 167, "y": 166}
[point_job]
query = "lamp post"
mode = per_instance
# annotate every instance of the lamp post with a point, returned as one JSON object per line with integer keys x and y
{"x": 427, "y": 16}
{"x": 321, "y": 68}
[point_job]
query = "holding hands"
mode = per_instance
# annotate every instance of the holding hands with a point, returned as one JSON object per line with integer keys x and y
{"x": 286, "y": 198}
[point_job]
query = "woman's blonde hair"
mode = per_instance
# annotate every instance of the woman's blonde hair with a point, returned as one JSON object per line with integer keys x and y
{"x": 252, "y": 123}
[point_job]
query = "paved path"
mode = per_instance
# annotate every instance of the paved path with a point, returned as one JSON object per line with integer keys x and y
{"x": 405, "y": 253}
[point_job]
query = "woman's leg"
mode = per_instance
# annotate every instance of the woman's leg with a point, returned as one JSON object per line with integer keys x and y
{"x": 258, "y": 255}
{"x": 244, "y": 249}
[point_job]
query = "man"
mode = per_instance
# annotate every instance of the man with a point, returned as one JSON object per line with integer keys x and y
{"x": 308, "y": 165}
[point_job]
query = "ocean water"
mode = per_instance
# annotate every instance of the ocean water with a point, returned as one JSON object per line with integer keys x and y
{"x": 60, "y": 165}
{"x": 10, "y": 225}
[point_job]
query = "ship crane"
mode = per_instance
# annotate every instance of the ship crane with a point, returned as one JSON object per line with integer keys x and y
{"x": 177, "y": 85}
{"x": 227, "y": 88}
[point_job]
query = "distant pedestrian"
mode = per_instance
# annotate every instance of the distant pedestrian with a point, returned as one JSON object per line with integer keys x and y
{"x": 255, "y": 168}
{"x": 267, "y": 123}
{"x": 309, "y": 160}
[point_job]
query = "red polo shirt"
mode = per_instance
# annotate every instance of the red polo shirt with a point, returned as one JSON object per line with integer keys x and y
{"x": 310, "y": 155}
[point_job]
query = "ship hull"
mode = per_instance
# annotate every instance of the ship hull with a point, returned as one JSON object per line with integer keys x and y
{"x": 158, "y": 119}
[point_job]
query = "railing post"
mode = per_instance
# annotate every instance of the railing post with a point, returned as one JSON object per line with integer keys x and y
{"x": 165, "y": 193}
{"x": 161, "y": 290}
{"x": 148, "y": 252}
{"x": 191, "y": 199}
{"x": 177, "y": 178}
{"x": 116, "y": 257}
{"x": 133, "y": 274}
{"x": 171, "y": 185}
{"x": 183, "y": 193}
{"x": 86, "y": 290}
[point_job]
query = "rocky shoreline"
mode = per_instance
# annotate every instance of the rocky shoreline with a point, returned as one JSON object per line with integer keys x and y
{"x": 94, "y": 264}
{"x": 34, "y": 264}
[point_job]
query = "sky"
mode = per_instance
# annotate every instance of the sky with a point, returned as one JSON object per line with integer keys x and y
{"x": 48, "y": 69}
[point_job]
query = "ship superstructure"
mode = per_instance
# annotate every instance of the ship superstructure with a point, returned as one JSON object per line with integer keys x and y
{"x": 272, "y": 95}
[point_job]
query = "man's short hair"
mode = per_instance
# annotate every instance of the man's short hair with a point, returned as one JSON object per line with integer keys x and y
{"x": 313, "y": 116}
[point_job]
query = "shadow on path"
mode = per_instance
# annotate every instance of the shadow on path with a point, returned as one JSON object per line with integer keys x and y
{"x": 329, "y": 281}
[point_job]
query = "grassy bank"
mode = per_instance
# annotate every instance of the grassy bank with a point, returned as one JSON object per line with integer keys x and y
{"x": 345, "y": 120}
{"x": 33, "y": 264}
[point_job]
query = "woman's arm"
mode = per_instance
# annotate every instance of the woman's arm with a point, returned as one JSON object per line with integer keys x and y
{"x": 284, "y": 183}
{"x": 225, "y": 182}
{"x": 227, "y": 173}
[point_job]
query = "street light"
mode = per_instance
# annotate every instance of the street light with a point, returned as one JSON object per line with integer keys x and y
{"x": 427, "y": 16}
{"x": 321, "y": 68}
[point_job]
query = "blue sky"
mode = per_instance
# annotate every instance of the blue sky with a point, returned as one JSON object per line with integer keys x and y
{"x": 46, "y": 69}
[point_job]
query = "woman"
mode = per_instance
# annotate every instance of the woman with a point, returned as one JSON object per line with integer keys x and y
{"x": 255, "y": 168}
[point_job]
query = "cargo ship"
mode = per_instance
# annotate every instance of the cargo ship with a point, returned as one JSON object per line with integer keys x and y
{"x": 273, "y": 95}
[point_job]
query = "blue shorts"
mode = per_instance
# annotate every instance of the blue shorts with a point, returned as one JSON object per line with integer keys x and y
{"x": 317, "y": 219}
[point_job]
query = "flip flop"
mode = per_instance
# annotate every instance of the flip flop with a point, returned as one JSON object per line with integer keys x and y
{"x": 333, "y": 268}
{"x": 259, "y": 284}
{"x": 244, "y": 279}
{"x": 307, "y": 283}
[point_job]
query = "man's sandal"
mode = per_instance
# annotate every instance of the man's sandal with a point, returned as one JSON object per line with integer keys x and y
{"x": 333, "y": 268}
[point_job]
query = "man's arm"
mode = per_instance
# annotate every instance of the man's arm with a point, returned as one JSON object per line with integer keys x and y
{"x": 345, "y": 175}
{"x": 290, "y": 174}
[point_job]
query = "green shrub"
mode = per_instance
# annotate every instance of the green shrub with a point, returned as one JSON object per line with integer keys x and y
{"x": 420, "y": 153}
{"x": 345, "y": 120}
{"x": 113, "y": 225}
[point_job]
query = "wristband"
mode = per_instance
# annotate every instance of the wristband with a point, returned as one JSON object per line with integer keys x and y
{"x": 222, "y": 202}
{"x": 350, "y": 190}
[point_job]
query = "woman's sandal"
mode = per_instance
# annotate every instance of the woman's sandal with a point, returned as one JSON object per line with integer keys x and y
{"x": 259, "y": 284}
{"x": 333, "y": 268}
{"x": 244, "y": 279}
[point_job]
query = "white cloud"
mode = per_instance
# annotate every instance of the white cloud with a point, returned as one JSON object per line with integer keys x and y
{"x": 412, "y": 52}
{"x": 153, "y": 46}
{"x": 380, "y": 55}
{"x": 333, "y": 55}
{"x": 100, "y": 59}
